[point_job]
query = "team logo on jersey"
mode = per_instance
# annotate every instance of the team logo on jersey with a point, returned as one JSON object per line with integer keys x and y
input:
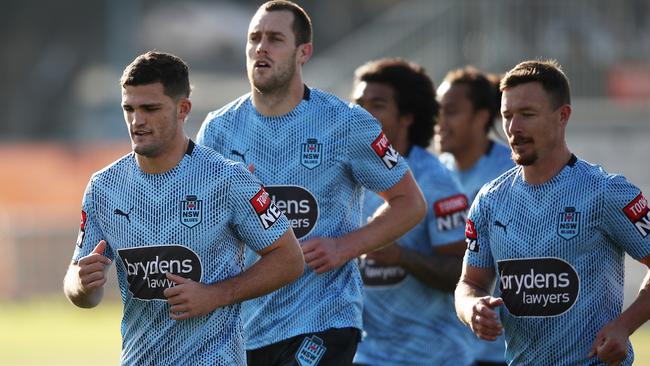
{"x": 538, "y": 287}
{"x": 266, "y": 210}
{"x": 311, "y": 153}
{"x": 311, "y": 351}
{"x": 638, "y": 213}
{"x": 385, "y": 151}
{"x": 298, "y": 205}
{"x": 82, "y": 229}
{"x": 191, "y": 211}
{"x": 568, "y": 225}
{"x": 145, "y": 268}
{"x": 470, "y": 235}
{"x": 451, "y": 212}
{"x": 375, "y": 275}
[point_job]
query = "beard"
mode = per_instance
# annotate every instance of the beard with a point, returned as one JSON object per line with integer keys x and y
{"x": 276, "y": 82}
{"x": 523, "y": 159}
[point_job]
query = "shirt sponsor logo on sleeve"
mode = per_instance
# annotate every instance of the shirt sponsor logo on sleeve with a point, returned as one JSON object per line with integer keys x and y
{"x": 385, "y": 151}
{"x": 266, "y": 210}
{"x": 82, "y": 229}
{"x": 451, "y": 212}
{"x": 146, "y": 267}
{"x": 471, "y": 237}
{"x": 538, "y": 287}
{"x": 638, "y": 213}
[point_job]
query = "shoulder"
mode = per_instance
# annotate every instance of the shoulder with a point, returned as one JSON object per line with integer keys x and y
{"x": 239, "y": 105}
{"x": 119, "y": 167}
{"x": 429, "y": 171}
{"x": 500, "y": 184}
{"x": 346, "y": 112}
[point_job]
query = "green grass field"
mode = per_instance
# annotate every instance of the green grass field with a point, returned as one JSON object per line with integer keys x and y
{"x": 55, "y": 333}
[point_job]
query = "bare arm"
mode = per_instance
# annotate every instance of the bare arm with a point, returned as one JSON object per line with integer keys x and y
{"x": 404, "y": 208}
{"x": 84, "y": 281}
{"x": 280, "y": 263}
{"x": 610, "y": 344}
{"x": 440, "y": 271}
{"x": 474, "y": 305}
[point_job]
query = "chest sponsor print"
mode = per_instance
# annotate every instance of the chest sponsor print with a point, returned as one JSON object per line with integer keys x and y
{"x": 451, "y": 212}
{"x": 191, "y": 213}
{"x": 568, "y": 225}
{"x": 538, "y": 287}
{"x": 374, "y": 275}
{"x": 638, "y": 213}
{"x": 299, "y": 206}
{"x": 145, "y": 268}
{"x": 311, "y": 153}
{"x": 385, "y": 151}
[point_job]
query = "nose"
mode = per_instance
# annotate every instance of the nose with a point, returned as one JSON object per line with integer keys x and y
{"x": 136, "y": 118}
{"x": 261, "y": 46}
{"x": 512, "y": 126}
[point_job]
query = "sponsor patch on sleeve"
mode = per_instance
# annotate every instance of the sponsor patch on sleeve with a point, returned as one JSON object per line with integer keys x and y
{"x": 82, "y": 229}
{"x": 265, "y": 209}
{"x": 385, "y": 151}
{"x": 470, "y": 234}
{"x": 639, "y": 215}
{"x": 451, "y": 212}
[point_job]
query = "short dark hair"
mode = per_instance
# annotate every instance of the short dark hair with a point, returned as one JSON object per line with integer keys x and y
{"x": 414, "y": 93}
{"x": 482, "y": 90}
{"x": 301, "y": 26}
{"x": 549, "y": 73}
{"x": 165, "y": 68}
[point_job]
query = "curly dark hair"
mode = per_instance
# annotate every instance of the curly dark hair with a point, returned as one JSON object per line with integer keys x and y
{"x": 482, "y": 90}
{"x": 165, "y": 68}
{"x": 414, "y": 93}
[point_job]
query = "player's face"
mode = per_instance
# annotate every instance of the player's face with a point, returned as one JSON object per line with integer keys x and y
{"x": 379, "y": 100}
{"x": 532, "y": 124}
{"x": 456, "y": 123}
{"x": 152, "y": 119}
{"x": 271, "y": 52}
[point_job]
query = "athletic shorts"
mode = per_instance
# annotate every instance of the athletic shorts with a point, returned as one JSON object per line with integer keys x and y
{"x": 332, "y": 347}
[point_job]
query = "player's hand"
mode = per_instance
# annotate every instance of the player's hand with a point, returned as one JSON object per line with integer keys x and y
{"x": 322, "y": 254}
{"x": 485, "y": 320}
{"x": 610, "y": 345}
{"x": 92, "y": 269}
{"x": 188, "y": 298}
{"x": 386, "y": 256}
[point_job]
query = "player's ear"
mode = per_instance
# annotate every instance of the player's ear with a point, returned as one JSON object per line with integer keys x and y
{"x": 183, "y": 106}
{"x": 305, "y": 51}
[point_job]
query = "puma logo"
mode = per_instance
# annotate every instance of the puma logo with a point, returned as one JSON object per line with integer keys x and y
{"x": 501, "y": 225}
{"x": 241, "y": 155}
{"x": 122, "y": 213}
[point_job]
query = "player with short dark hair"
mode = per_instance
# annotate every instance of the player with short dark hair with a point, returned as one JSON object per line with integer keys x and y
{"x": 555, "y": 229}
{"x": 470, "y": 103}
{"x": 408, "y": 284}
{"x": 317, "y": 154}
{"x": 174, "y": 217}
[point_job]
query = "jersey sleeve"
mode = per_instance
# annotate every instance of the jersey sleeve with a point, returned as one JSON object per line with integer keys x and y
{"x": 90, "y": 232}
{"x": 478, "y": 253}
{"x": 256, "y": 218}
{"x": 374, "y": 162}
{"x": 626, "y": 216}
{"x": 207, "y": 134}
{"x": 446, "y": 214}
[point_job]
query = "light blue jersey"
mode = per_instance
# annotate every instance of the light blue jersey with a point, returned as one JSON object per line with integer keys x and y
{"x": 193, "y": 221}
{"x": 558, "y": 250}
{"x": 316, "y": 161}
{"x": 405, "y": 321}
{"x": 492, "y": 164}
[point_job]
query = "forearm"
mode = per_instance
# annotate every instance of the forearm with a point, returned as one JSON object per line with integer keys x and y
{"x": 439, "y": 272}
{"x": 75, "y": 292}
{"x": 639, "y": 311}
{"x": 272, "y": 271}
{"x": 465, "y": 296}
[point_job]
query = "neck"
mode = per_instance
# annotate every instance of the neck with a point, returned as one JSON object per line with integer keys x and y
{"x": 166, "y": 160}
{"x": 471, "y": 153}
{"x": 546, "y": 168}
{"x": 278, "y": 102}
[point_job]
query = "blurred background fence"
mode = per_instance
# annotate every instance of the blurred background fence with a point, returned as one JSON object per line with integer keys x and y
{"x": 61, "y": 62}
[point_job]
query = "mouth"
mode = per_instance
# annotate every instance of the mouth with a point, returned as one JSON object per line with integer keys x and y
{"x": 519, "y": 141}
{"x": 140, "y": 133}
{"x": 262, "y": 64}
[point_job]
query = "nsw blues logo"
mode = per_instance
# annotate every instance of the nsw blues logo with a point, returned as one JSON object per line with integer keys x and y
{"x": 311, "y": 153}
{"x": 311, "y": 351}
{"x": 568, "y": 225}
{"x": 191, "y": 211}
